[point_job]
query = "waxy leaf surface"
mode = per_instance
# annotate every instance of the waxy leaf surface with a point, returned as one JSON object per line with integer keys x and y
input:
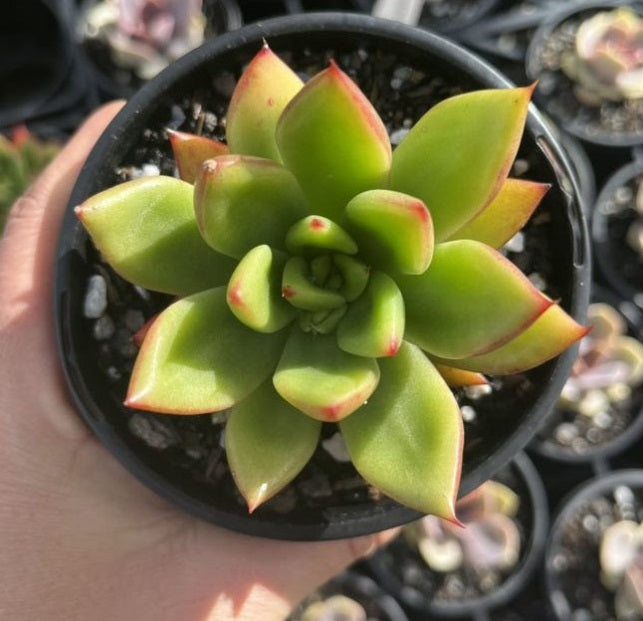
{"x": 254, "y": 291}
{"x": 457, "y": 156}
{"x": 551, "y": 334}
{"x": 146, "y": 230}
{"x": 471, "y": 300}
{"x": 279, "y": 439}
{"x": 505, "y": 215}
{"x": 318, "y": 378}
{"x": 457, "y": 378}
{"x": 407, "y": 440}
{"x": 393, "y": 230}
{"x": 355, "y": 275}
{"x": 197, "y": 357}
{"x": 316, "y": 234}
{"x": 298, "y": 289}
{"x": 332, "y": 139}
{"x": 241, "y": 202}
{"x": 374, "y": 323}
{"x": 262, "y": 93}
{"x": 190, "y": 151}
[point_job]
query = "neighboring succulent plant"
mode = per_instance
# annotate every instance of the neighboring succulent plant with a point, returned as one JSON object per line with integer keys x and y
{"x": 22, "y": 157}
{"x": 607, "y": 63}
{"x": 621, "y": 560}
{"x": 146, "y": 35}
{"x": 634, "y": 236}
{"x": 334, "y": 608}
{"x": 317, "y": 268}
{"x": 490, "y": 541}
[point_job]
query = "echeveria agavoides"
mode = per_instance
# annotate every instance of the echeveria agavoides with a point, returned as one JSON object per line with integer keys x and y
{"x": 328, "y": 278}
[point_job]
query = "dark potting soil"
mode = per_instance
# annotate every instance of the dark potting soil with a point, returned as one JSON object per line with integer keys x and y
{"x": 191, "y": 449}
{"x": 574, "y": 556}
{"x": 555, "y": 92}
{"x": 419, "y": 585}
{"x": 452, "y": 14}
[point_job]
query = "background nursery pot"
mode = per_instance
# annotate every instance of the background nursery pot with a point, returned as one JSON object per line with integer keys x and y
{"x": 181, "y": 457}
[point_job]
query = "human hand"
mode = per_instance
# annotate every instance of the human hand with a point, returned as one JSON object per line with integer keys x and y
{"x": 82, "y": 539}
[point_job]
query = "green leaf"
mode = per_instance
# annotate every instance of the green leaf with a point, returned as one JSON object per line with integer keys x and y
{"x": 551, "y": 334}
{"x": 267, "y": 443}
{"x": 254, "y": 291}
{"x": 241, "y": 202}
{"x": 458, "y": 155}
{"x": 469, "y": 301}
{"x": 197, "y": 358}
{"x": 354, "y": 274}
{"x": 190, "y": 151}
{"x": 332, "y": 139}
{"x": 374, "y": 323}
{"x": 146, "y": 231}
{"x": 317, "y": 234}
{"x": 297, "y": 288}
{"x": 506, "y": 214}
{"x": 407, "y": 440}
{"x": 321, "y": 380}
{"x": 263, "y": 91}
{"x": 393, "y": 230}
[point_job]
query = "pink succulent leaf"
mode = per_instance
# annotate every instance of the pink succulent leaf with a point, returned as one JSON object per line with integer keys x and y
{"x": 470, "y": 300}
{"x": 190, "y": 151}
{"x": 333, "y": 141}
{"x": 254, "y": 291}
{"x": 394, "y": 231}
{"x": 318, "y": 378}
{"x": 280, "y": 440}
{"x": 315, "y": 234}
{"x": 551, "y": 334}
{"x": 412, "y": 419}
{"x": 146, "y": 230}
{"x": 458, "y": 155}
{"x": 373, "y": 325}
{"x": 457, "y": 378}
{"x": 263, "y": 91}
{"x": 354, "y": 274}
{"x": 197, "y": 343}
{"x": 241, "y": 202}
{"x": 297, "y": 287}
{"x": 505, "y": 215}
{"x": 492, "y": 543}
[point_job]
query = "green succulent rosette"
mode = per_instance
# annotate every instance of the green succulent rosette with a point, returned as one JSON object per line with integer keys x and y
{"x": 324, "y": 277}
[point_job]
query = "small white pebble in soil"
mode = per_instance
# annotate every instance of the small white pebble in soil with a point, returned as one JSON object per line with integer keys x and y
{"x": 603, "y": 419}
{"x": 134, "y": 320}
{"x": 396, "y": 83}
{"x": 520, "y": 167}
{"x": 336, "y": 448}
{"x": 150, "y": 170}
{"x": 218, "y": 418}
{"x": 537, "y": 281}
{"x": 516, "y": 243}
{"x": 104, "y": 328}
{"x": 397, "y": 135}
{"x": 623, "y": 494}
{"x": 590, "y": 523}
{"x": 565, "y": 433}
{"x": 478, "y": 391}
{"x": 113, "y": 373}
{"x": 468, "y": 414}
{"x": 95, "y": 301}
{"x": 559, "y": 562}
{"x": 222, "y": 439}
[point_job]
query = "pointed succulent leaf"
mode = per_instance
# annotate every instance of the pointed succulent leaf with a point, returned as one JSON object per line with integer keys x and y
{"x": 197, "y": 358}
{"x": 459, "y": 153}
{"x": 263, "y": 91}
{"x": 321, "y": 380}
{"x": 241, "y": 202}
{"x": 254, "y": 291}
{"x": 374, "y": 323}
{"x": 505, "y": 215}
{"x": 267, "y": 443}
{"x": 145, "y": 229}
{"x": 190, "y": 151}
{"x": 354, "y": 274}
{"x": 470, "y": 300}
{"x": 393, "y": 230}
{"x": 411, "y": 419}
{"x": 317, "y": 234}
{"x": 332, "y": 139}
{"x": 297, "y": 288}
{"x": 457, "y": 378}
{"x": 551, "y": 334}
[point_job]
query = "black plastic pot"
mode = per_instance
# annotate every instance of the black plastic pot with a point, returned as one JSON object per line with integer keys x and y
{"x": 378, "y": 604}
{"x": 508, "y": 426}
{"x": 555, "y": 90}
{"x": 572, "y": 569}
{"x": 388, "y": 567}
{"x": 619, "y": 265}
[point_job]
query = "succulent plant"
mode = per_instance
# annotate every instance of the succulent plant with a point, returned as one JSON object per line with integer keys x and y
{"x": 607, "y": 62}
{"x": 634, "y": 235}
{"x": 334, "y": 608}
{"x": 146, "y": 35}
{"x": 325, "y": 278}
{"x": 22, "y": 157}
